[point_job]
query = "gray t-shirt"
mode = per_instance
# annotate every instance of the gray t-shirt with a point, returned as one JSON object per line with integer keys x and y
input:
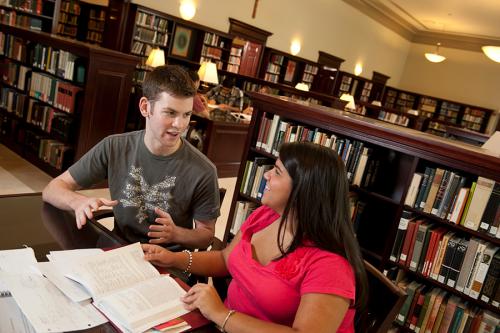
{"x": 183, "y": 184}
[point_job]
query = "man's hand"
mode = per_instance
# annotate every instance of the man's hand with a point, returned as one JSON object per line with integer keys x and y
{"x": 85, "y": 206}
{"x": 164, "y": 231}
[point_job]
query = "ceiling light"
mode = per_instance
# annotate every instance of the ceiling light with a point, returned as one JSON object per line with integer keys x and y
{"x": 187, "y": 9}
{"x": 295, "y": 47}
{"x": 492, "y": 52}
{"x": 435, "y": 57}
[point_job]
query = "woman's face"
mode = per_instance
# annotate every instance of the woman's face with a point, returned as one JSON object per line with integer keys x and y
{"x": 278, "y": 187}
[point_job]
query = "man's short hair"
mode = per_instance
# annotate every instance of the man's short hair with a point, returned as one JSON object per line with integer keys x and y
{"x": 174, "y": 80}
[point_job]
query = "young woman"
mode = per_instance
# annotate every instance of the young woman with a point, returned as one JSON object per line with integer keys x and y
{"x": 295, "y": 264}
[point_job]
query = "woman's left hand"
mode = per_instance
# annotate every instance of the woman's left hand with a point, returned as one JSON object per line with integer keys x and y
{"x": 205, "y": 298}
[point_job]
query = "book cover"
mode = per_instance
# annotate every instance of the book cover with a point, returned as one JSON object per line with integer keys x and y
{"x": 439, "y": 193}
{"x": 425, "y": 247}
{"x": 475, "y": 265}
{"x": 449, "y": 195}
{"x": 437, "y": 182}
{"x": 448, "y": 314}
{"x": 426, "y": 187}
{"x": 443, "y": 246}
{"x": 432, "y": 252}
{"x": 482, "y": 192}
{"x": 439, "y": 317}
{"x": 418, "y": 245}
{"x": 491, "y": 281}
{"x": 491, "y": 216}
{"x": 400, "y": 235}
{"x": 482, "y": 270}
{"x": 456, "y": 263}
{"x": 411, "y": 196}
{"x": 467, "y": 264}
{"x": 412, "y": 242}
{"x": 410, "y": 291}
{"x": 407, "y": 241}
{"x": 434, "y": 312}
{"x": 448, "y": 258}
{"x": 456, "y": 214}
{"x": 423, "y": 186}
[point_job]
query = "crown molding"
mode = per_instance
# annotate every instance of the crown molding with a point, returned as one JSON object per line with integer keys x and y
{"x": 417, "y": 32}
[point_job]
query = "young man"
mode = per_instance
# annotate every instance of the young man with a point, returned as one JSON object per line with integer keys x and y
{"x": 159, "y": 182}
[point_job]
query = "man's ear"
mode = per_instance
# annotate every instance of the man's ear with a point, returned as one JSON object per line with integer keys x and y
{"x": 144, "y": 107}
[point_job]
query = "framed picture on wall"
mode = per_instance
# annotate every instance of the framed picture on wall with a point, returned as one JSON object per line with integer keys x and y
{"x": 182, "y": 39}
{"x": 290, "y": 71}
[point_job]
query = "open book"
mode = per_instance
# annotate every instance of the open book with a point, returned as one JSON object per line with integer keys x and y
{"x": 128, "y": 289}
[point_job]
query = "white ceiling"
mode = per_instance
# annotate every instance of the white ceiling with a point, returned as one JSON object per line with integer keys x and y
{"x": 474, "y": 18}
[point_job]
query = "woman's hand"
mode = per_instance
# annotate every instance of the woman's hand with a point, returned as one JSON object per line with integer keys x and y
{"x": 157, "y": 255}
{"x": 204, "y": 297}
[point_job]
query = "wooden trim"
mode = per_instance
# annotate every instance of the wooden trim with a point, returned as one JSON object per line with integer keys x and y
{"x": 417, "y": 32}
{"x": 329, "y": 60}
{"x": 242, "y": 29}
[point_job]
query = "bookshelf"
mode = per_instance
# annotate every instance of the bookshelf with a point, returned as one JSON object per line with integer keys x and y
{"x": 37, "y": 15}
{"x": 69, "y": 18}
{"x": 380, "y": 181}
{"x": 150, "y": 30}
{"x": 56, "y": 96}
{"x": 215, "y": 48}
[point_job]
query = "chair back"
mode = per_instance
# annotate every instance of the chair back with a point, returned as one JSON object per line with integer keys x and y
{"x": 385, "y": 300}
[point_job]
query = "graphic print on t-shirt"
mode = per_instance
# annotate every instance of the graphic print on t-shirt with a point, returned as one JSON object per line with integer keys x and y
{"x": 138, "y": 193}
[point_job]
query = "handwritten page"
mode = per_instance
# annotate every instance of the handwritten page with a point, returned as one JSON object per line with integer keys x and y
{"x": 12, "y": 319}
{"x": 113, "y": 270}
{"x": 74, "y": 290}
{"x": 47, "y": 308}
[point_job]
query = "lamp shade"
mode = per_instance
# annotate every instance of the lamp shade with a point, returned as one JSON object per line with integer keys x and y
{"x": 302, "y": 86}
{"x": 492, "y": 52}
{"x": 350, "y": 101}
{"x": 435, "y": 57}
{"x": 208, "y": 73}
{"x": 156, "y": 58}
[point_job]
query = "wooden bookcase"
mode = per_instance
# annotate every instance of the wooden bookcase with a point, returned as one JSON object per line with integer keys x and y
{"x": 37, "y": 15}
{"x": 60, "y": 97}
{"x": 284, "y": 68}
{"x": 397, "y": 153}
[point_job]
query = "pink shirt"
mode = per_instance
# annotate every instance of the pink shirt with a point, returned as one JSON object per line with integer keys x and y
{"x": 273, "y": 292}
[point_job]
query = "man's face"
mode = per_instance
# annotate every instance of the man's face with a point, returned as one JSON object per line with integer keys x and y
{"x": 167, "y": 118}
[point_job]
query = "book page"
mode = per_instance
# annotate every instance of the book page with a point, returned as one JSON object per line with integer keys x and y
{"x": 145, "y": 305}
{"x": 113, "y": 270}
{"x": 74, "y": 290}
{"x": 47, "y": 309}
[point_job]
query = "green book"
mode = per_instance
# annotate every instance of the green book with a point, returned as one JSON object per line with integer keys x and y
{"x": 469, "y": 199}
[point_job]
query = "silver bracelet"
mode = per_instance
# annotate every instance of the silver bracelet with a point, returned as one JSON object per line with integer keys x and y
{"x": 190, "y": 263}
{"x": 229, "y": 314}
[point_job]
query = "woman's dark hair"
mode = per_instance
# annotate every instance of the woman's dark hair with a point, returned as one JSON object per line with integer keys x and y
{"x": 171, "y": 79}
{"x": 320, "y": 206}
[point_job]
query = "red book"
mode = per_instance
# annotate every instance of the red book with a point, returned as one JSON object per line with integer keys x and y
{"x": 436, "y": 237}
{"x": 412, "y": 242}
{"x": 410, "y": 231}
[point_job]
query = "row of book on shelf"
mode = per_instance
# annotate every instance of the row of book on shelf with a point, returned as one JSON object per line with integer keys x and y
{"x": 451, "y": 197}
{"x": 356, "y": 155}
{"x": 36, "y": 113}
{"x": 432, "y": 309}
{"x": 10, "y": 17}
{"x": 57, "y": 62}
{"x": 469, "y": 265}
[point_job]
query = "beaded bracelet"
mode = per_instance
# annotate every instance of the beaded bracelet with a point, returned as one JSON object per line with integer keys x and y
{"x": 190, "y": 263}
{"x": 229, "y": 314}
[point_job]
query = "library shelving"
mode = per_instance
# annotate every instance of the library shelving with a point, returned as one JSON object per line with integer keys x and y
{"x": 381, "y": 161}
{"x": 69, "y": 18}
{"x": 149, "y": 30}
{"x": 38, "y": 15}
{"x": 59, "y": 97}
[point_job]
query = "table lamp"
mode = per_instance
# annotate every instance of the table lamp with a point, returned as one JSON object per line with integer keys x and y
{"x": 208, "y": 73}
{"x": 302, "y": 86}
{"x": 156, "y": 58}
{"x": 350, "y": 106}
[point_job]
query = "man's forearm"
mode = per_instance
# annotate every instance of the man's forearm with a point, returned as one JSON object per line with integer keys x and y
{"x": 198, "y": 238}
{"x": 60, "y": 196}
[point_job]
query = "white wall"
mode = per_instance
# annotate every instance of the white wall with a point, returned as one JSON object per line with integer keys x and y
{"x": 465, "y": 76}
{"x": 323, "y": 25}
{"x": 336, "y": 28}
